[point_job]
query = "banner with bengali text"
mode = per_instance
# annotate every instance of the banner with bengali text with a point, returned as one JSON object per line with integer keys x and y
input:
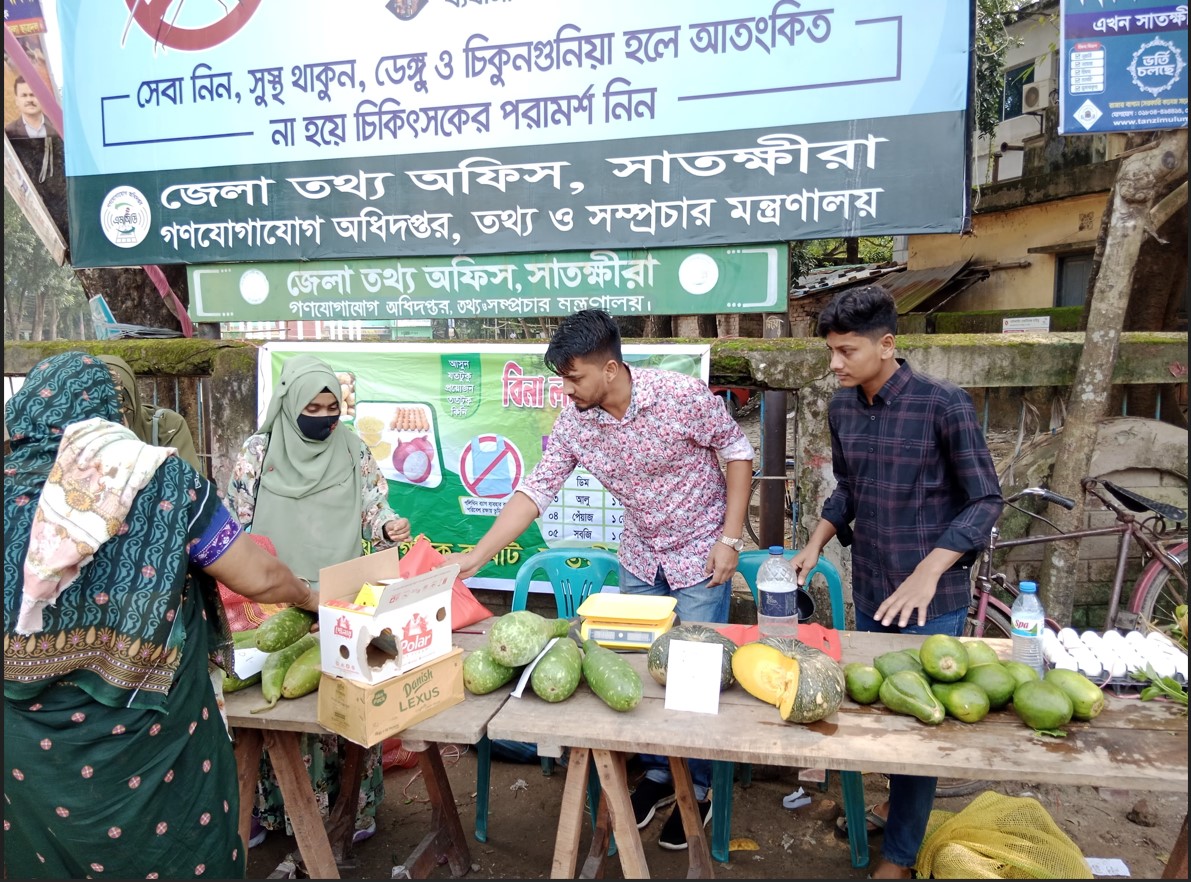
{"x": 276, "y": 130}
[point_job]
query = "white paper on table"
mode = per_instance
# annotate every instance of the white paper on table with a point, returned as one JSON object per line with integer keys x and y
{"x": 249, "y": 661}
{"x": 693, "y": 676}
{"x": 516, "y": 693}
{"x": 1108, "y": 867}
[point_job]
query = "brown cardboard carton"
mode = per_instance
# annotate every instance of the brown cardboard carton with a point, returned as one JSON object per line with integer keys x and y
{"x": 368, "y": 713}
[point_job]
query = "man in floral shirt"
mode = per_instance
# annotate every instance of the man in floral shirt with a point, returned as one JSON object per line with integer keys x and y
{"x": 653, "y": 438}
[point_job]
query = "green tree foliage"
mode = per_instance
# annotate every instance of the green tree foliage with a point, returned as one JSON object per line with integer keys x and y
{"x": 42, "y": 301}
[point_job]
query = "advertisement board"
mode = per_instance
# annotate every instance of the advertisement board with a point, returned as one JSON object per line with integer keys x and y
{"x": 1124, "y": 66}
{"x": 455, "y": 427}
{"x": 280, "y": 130}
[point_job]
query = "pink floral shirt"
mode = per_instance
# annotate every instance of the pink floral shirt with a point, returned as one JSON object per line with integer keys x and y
{"x": 659, "y": 462}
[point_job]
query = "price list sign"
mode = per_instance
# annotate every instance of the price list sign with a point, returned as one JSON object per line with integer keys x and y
{"x": 583, "y": 511}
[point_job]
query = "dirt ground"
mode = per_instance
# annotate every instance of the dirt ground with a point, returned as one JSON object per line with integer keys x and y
{"x": 1137, "y": 827}
{"x": 799, "y": 844}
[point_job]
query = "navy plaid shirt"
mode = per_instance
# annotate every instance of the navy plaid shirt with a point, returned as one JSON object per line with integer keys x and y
{"x": 913, "y": 474}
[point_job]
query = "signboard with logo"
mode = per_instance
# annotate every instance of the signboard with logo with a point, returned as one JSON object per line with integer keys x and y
{"x": 668, "y": 281}
{"x": 1124, "y": 66}
{"x": 455, "y": 427}
{"x": 278, "y": 131}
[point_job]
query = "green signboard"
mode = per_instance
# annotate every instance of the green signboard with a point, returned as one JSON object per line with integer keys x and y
{"x": 454, "y": 429}
{"x": 672, "y": 281}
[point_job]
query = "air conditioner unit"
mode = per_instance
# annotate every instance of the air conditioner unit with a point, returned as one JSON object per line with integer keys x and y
{"x": 1038, "y": 95}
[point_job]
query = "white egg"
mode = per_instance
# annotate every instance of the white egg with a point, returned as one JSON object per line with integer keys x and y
{"x": 1135, "y": 638}
{"x": 1118, "y": 669}
{"x": 1052, "y": 652}
{"x": 1047, "y": 629}
{"x": 1163, "y": 665}
{"x": 1067, "y": 664}
{"x": 1158, "y": 637}
{"x": 1180, "y": 666}
{"x": 1091, "y": 667}
{"x": 1089, "y": 637}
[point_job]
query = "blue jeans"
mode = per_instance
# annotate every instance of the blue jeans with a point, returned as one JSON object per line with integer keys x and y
{"x": 701, "y": 602}
{"x": 911, "y": 797}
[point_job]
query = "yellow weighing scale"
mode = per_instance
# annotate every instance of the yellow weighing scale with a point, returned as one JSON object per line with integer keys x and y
{"x": 626, "y": 621}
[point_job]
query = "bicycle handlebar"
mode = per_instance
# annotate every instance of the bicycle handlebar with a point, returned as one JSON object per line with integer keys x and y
{"x": 1048, "y": 495}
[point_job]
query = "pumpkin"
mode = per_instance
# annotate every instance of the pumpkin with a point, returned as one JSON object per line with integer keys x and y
{"x": 659, "y": 651}
{"x": 804, "y": 683}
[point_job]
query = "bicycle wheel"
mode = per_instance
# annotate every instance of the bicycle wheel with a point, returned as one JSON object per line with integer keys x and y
{"x": 1157, "y": 593}
{"x": 996, "y": 625}
{"x": 753, "y": 517}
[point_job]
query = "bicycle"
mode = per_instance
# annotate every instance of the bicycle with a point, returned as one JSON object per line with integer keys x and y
{"x": 1161, "y": 586}
{"x": 752, "y": 514}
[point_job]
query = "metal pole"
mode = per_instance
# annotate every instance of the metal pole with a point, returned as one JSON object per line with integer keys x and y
{"x": 773, "y": 450}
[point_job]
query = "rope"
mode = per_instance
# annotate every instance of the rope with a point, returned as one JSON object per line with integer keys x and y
{"x": 451, "y": 754}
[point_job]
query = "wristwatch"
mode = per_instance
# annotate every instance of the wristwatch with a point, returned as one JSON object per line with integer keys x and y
{"x": 735, "y": 544}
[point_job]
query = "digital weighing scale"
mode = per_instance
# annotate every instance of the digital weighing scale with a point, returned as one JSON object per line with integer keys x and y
{"x": 626, "y": 621}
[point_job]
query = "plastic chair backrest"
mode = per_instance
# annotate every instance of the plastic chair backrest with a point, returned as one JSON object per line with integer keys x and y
{"x": 750, "y": 562}
{"x": 572, "y": 584}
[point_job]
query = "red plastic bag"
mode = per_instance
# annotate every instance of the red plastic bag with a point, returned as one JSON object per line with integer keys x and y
{"x": 394, "y": 756}
{"x": 422, "y": 557}
{"x": 244, "y": 614}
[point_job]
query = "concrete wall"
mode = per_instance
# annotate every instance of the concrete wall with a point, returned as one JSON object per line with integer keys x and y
{"x": 1006, "y": 237}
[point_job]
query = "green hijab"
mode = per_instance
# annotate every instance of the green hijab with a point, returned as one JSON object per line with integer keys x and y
{"x": 172, "y": 430}
{"x": 310, "y": 498}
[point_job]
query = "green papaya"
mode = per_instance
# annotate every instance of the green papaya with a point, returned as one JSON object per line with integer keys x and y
{"x": 862, "y": 682}
{"x": 483, "y": 674}
{"x": 1042, "y": 705}
{"x": 900, "y": 660}
{"x": 998, "y": 684}
{"x": 516, "y": 638}
{"x": 1021, "y": 672}
{"x": 907, "y": 692}
{"x": 967, "y": 702}
{"x": 1086, "y": 698}
{"x": 980, "y": 653}
{"x": 943, "y": 658}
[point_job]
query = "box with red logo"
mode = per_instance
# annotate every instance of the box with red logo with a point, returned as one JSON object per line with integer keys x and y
{"x": 409, "y": 626}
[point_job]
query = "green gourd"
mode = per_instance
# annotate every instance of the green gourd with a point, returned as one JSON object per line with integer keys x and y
{"x": 273, "y": 673}
{"x": 611, "y": 677}
{"x": 557, "y": 674}
{"x": 283, "y": 628}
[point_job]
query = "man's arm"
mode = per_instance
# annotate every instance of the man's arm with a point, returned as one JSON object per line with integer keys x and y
{"x": 512, "y": 521}
{"x": 722, "y": 561}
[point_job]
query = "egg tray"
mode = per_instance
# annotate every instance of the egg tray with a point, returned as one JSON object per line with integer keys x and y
{"x": 1126, "y": 687}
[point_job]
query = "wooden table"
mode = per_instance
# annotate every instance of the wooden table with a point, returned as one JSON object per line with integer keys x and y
{"x": 1132, "y": 745}
{"x": 325, "y": 849}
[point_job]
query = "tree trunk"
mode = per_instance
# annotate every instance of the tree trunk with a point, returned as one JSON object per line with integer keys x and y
{"x": 54, "y": 314}
{"x": 38, "y": 317}
{"x": 1143, "y": 178}
{"x": 14, "y": 308}
{"x": 131, "y": 296}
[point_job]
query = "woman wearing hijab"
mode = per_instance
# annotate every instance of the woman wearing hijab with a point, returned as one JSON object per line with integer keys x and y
{"x": 117, "y": 760}
{"x": 158, "y": 426}
{"x": 313, "y": 488}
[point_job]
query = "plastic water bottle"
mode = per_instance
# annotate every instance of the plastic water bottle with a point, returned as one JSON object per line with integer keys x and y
{"x": 777, "y": 596}
{"x": 1028, "y": 623}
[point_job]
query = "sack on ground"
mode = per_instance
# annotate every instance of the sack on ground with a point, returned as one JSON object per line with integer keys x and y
{"x": 999, "y": 837}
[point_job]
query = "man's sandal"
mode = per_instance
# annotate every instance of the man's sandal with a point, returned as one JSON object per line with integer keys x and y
{"x": 873, "y": 823}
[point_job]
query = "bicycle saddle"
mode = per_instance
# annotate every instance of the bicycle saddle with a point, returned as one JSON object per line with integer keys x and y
{"x": 1137, "y": 502}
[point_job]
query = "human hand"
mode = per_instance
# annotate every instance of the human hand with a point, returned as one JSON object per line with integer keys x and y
{"x": 397, "y": 530}
{"x": 310, "y": 602}
{"x": 803, "y": 562}
{"x": 468, "y": 566}
{"x": 721, "y": 563}
{"x": 915, "y": 593}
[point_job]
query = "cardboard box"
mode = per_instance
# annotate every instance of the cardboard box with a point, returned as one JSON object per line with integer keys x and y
{"x": 369, "y": 713}
{"x": 412, "y": 617}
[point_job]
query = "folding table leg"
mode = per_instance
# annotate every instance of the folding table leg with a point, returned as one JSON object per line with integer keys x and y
{"x": 852, "y": 785}
{"x": 722, "y": 774}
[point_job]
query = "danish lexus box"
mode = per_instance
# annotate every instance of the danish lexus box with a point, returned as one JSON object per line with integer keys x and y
{"x": 368, "y": 713}
{"x": 409, "y": 623}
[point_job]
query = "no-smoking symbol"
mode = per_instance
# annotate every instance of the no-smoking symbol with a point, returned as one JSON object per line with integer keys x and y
{"x": 490, "y": 466}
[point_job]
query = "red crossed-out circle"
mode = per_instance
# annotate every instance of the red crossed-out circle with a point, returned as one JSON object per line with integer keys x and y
{"x": 152, "y": 18}
{"x": 472, "y": 481}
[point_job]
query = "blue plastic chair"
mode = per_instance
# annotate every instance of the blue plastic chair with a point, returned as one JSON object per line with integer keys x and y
{"x": 575, "y": 574}
{"x": 851, "y": 783}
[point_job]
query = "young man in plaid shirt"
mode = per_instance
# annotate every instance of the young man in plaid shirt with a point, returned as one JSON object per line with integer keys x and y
{"x": 916, "y": 497}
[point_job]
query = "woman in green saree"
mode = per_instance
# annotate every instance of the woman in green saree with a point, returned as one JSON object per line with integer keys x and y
{"x": 117, "y": 762}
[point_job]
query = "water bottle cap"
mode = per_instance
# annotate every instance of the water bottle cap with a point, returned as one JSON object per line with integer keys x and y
{"x": 1027, "y": 587}
{"x": 776, "y": 549}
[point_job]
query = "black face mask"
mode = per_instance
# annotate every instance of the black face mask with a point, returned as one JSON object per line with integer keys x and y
{"x": 316, "y": 428}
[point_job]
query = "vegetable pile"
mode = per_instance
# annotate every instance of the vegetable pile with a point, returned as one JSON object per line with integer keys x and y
{"x": 294, "y": 664}
{"x": 946, "y": 677}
